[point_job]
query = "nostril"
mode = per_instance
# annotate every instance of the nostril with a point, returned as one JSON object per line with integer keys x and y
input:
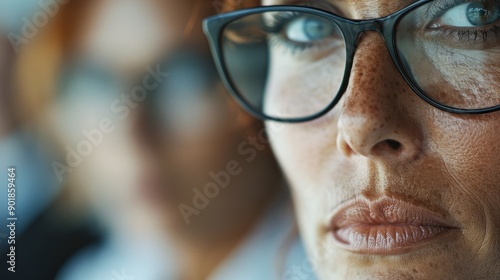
{"x": 395, "y": 145}
{"x": 387, "y": 147}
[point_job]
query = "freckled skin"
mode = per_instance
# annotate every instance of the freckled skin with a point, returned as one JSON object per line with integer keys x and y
{"x": 445, "y": 162}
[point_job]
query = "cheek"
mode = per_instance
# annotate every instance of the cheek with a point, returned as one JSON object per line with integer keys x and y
{"x": 301, "y": 85}
{"x": 450, "y": 76}
{"x": 303, "y": 149}
{"x": 470, "y": 151}
{"x": 306, "y": 153}
{"x": 114, "y": 167}
{"x": 105, "y": 162}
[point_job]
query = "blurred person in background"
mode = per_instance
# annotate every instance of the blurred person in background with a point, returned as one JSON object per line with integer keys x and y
{"x": 37, "y": 229}
{"x": 178, "y": 178}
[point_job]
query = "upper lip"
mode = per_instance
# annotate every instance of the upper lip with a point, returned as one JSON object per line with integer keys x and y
{"x": 386, "y": 211}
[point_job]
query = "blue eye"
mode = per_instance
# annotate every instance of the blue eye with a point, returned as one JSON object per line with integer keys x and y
{"x": 475, "y": 14}
{"x": 306, "y": 29}
{"x": 482, "y": 13}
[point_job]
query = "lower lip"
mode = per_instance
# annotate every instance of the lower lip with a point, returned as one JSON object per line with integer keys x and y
{"x": 387, "y": 239}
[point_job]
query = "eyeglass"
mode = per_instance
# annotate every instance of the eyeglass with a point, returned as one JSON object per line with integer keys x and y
{"x": 178, "y": 102}
{"x": 292, "y": 63}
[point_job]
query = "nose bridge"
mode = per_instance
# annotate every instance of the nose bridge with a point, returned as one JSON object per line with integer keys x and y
{"x": 372, "y": 121}
{"x": 374, "y": 25}
{"x": 369, "y": 85}
{"x": 143, "y": 127}
{"x": 371, "y": 25}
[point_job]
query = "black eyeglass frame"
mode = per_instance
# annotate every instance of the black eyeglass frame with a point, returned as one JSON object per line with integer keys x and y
{"x": 351, "y": 29}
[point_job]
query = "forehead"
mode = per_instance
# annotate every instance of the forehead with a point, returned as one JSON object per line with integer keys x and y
{"x": 357, "y": 9}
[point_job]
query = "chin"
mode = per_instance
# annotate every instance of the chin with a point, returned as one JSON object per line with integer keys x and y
{"x": 388, "y": 238}
{"x": 443, "y": 257}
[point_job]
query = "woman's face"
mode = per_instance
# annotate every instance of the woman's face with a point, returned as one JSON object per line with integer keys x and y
{"x": 386, "y": 185}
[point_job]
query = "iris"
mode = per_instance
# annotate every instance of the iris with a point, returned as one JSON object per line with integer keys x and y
{"x": 481, "y": 13}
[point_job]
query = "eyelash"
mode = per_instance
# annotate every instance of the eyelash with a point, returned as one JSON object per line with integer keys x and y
{"x": 438, "y": 9}
{"x": 481, "y": 36}
{"x": 280, "y": 20}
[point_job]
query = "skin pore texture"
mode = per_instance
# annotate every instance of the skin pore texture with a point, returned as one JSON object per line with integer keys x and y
{"x": 382, "y": 141}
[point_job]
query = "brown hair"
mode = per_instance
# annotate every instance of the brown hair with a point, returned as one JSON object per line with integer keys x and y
{"x": 36, "y": 71}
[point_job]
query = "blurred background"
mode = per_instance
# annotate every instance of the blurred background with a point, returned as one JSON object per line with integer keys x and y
{"x": 131, "y": 160}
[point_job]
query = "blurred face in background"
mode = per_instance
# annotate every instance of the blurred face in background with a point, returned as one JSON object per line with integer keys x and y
{"x": 106, "y": 57}
{"x": 159, "y": 119}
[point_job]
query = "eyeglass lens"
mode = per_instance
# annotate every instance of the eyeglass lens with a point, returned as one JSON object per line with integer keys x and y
{"x": 290, "y": 64}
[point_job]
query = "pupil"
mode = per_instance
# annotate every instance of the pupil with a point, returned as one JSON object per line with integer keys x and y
{"x": 482, "y": 13}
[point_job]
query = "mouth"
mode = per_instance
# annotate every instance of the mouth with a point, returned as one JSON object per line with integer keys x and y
{"x": 387, "y": 226}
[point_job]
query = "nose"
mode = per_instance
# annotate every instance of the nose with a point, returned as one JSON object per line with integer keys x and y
{"x": 375, "y": 118}
{"x": 144, "y": 128}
